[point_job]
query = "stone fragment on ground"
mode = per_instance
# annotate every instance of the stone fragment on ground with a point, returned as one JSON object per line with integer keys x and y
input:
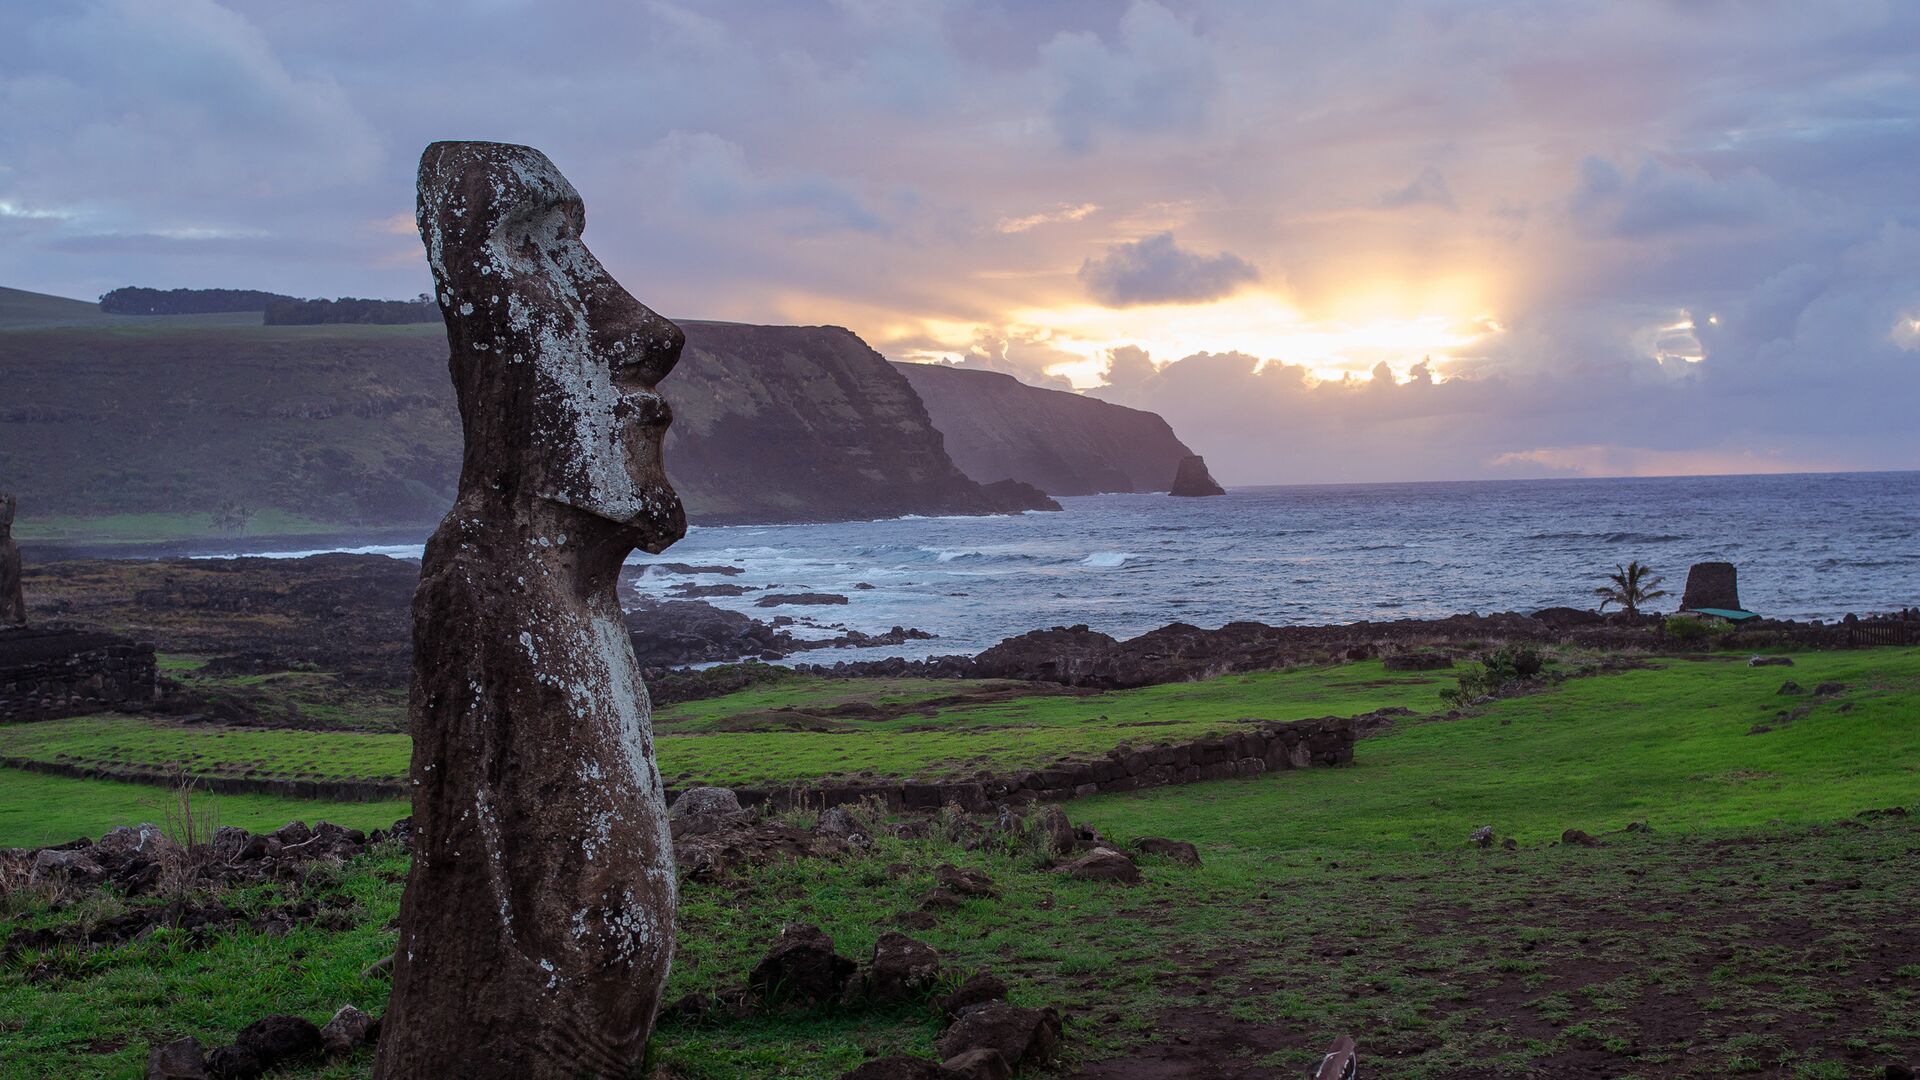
{"x": 279, "y": 1038}
{"x": 1022, "y": 1036}
{"x": 980, "y": 1063}
{"x": 964, "y": 881}
{"x": 234, "y": 1063}
{"x": 1056, "y": 831}
{"x": 1179, "y": 851}
{"x": 1483, "y": 836}
{"x": 901, "y": 969}
{"x": 1770, "y": 661}
{"x": 801, "y": 967}
{"x": 1789, "y": 688}
{"x": 349, "y": 1029}
{"x": 1102, "y": 864}
{"x": 705, "y": 802}
{"x": 1580, "y": 838}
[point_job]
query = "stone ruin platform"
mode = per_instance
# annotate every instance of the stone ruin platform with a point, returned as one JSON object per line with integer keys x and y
{"x": 48, "y": 672}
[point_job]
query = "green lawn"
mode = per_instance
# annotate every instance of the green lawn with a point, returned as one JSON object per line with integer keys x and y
{"x": 694, "y": 743}
{"x": 36, "y": 810}
{"x": 1746, "y": 934}
{"x": 157, "y": 528}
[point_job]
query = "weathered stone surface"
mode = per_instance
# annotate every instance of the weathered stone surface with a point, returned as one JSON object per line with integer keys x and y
{"x": 1178, "y": 850}
{"x": 705, "y": 802}
{"x": 980, "y": 1063}
{"x": 53, "y": 671}
{"x": 349, "y": 1028}
{"x": 1056, "y": 831}
{"x": 181, "y": 1059}
{"x": 145, "y": 839}
{"x": 1191, "y": 478}
{"x": 279, "y": 1038}
{"x": 13, "y": 605}
{"x": 1022, "y": 1036}
{"x": 1580, "y": 838}
{"x": 55, "y": 865}
{"x": 1769, "y": 661}
{"x": 902, "y": 969}
{"x": 1711, "y": 585}
{"x": 1102, "y": 864}
{"x": 801, "y": 967}
{"x": 537, "y": 923}
{"x": 965, "y": 881}
{"x": 234, "y": 1063}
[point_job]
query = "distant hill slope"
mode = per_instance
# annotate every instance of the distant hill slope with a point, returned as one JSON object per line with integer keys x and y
{"x": 355, "y": 425}
{"x": 1064, "y": 444}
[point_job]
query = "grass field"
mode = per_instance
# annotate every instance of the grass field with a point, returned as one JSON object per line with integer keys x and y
{"x": 745, "y": 738}
{"x": 1758, "y": 928}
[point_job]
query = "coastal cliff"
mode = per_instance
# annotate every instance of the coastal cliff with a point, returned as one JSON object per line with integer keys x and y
{"x": 997, "y": 427}
{"x": 299, "y": 428}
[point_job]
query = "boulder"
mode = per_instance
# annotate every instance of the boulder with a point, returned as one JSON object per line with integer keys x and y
{"x": 348, "y": 1030}
{"x": 902, "y": 969}
{"x": 65, "y": 865}
{"x": 964, "y": 881}
{"x": 1022, "y": 1036}
{"x": 1178, "y": 850}
{"x": 1770, "y": 661}
{"x": 234, "y": 1063}
{"x": 1102, "y": 864}
{"x": 181, "y": 1059}
{"x": 705, "y": 802}
{"x": 1579, "y": 838}
{"x": 898, "y": 1067}
{"x": 144, "y": 839}
{"x": 1789, "y": 688}
{"x": 1055, "y": 831}
{"x": 279, "y": 1038}
{"x": 980, "y": 1063}
{"x": 840, "y": 821}
{"x": 801, "y": 967}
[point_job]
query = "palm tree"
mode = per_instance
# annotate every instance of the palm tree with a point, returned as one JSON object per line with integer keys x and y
{"x": 1633, "y": 584}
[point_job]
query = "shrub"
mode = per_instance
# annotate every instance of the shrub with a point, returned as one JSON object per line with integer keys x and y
{"x": 1497, "y": 672}
{"x": 1691, "y": 629}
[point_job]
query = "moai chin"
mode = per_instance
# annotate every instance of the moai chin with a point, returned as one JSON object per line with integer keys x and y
{"x": 537, "y": 925}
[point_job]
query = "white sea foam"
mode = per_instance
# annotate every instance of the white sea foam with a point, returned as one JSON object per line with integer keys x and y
{"x": 1107, "y": 559}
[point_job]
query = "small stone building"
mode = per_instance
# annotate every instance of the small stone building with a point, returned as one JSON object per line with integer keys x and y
{"x": 49, "y": 671}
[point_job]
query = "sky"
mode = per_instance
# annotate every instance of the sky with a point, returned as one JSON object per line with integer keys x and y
{"x": 1327, "y": 241}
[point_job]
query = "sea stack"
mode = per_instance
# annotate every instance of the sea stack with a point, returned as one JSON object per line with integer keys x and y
{"x": 1711, "y": 585}
{"x": 13, "y": 604}
{"x": 1193, "y": 479}
{"x": 537, "y": 924}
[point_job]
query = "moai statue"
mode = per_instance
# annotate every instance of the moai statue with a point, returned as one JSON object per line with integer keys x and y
{"x": 1711, "y": 585}
{"x": 537, "y": 924}
{"x": 13, "y": 605}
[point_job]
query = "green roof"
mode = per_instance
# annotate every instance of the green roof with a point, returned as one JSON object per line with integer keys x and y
{"x": 1729, "y": 614}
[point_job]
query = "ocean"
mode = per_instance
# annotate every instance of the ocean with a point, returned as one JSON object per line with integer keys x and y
{"x": 1807, "y": 547}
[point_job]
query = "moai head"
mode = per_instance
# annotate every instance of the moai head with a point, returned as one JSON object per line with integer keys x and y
{"x": 554, "y": 364}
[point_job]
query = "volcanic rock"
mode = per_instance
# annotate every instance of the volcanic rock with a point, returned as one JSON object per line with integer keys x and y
{"x": 279, "y": 1038}
{"x": 234, "y": 1063}
{"x": 801, "y": 967}
{"x": 980, "y": 988}
{"x": 1192, "y": 478}
{"x": 1017, "y": 496}
{"x": 1178, "y": 850}
{"x": 800, "y": 599}
{"x": 144, "y": 839}
{"x": 1022, "y": 1036}
{"x": 1056, "y": 831}
{"x": 966, "y": 882}
{"x": 1579, "y": 838}
{"x": 1102, "y": 864}
{"x": 902, "y": 969}
{"x": 73, "y": 867}
{"x": 1770, "y": 661}
{"x": 980, "y": 1063}
{"x": 348, "y": 1029}
{"x": 705, "y": 802}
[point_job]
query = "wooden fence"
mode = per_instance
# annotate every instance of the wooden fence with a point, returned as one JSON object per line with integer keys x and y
{"x": 1884, "y": 633}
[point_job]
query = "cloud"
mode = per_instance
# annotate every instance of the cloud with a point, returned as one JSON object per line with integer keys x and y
{"x": 1158, "y": 77}
{"x": 1660, "y": 198}
{"x": 1046, "y": 217}
{"x": 1156, "y": 270}
{"x": 1427, "y": 189}
{"x": 710, "y": 175}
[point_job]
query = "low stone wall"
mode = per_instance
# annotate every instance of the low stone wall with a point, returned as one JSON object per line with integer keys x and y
{"x": 49, "y": 672}
{"x": 1263, "y": 748}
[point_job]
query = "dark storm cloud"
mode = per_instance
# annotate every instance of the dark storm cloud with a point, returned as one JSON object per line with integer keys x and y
{"x": 1155, "y": 270}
